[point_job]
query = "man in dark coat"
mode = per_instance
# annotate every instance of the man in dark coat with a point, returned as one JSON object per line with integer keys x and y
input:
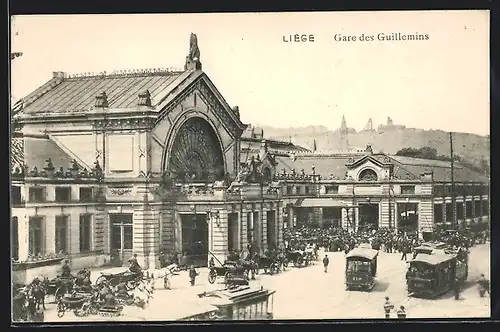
{"x": 326, "y": 261}
{"x": 192, "y": 275}
{"x": 456, "y": 289}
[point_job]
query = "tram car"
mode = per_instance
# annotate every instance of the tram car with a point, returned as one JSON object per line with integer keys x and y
{"x": 361, "y": 268}
{"x": 435, "y": 269}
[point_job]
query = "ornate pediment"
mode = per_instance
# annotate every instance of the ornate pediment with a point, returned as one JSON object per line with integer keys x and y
{"x": 214, "y": 100}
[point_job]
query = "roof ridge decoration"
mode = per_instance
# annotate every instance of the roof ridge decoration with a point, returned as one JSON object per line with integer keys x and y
{"x": 127, "y": 73}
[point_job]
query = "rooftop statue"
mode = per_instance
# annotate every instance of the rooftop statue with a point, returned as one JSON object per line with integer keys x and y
{"x": 194, "y": 51}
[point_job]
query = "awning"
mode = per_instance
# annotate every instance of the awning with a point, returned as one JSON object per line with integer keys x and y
{"x": 319, "y": 202}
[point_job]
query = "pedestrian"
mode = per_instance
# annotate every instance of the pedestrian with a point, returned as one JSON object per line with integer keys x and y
{"x": 211, "y": 263}
{"x": 166, "y": 280}
{"x": 326, "y": 261}
{"x": 388, "y": 306}
{"x": 401, "y": 313}
{"x": 403, "y": 251}
{"x": 192, "y": 275}
{"x": 456, "y": 289}
{"x": 484, "y": 286}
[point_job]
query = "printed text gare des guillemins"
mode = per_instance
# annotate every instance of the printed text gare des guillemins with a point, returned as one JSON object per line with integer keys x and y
{"x": 393, "y": 36}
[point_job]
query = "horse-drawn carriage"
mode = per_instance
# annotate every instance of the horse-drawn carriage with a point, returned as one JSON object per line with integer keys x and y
{"x": 129, "y": 278}
{"x": 59, "y": 286}
{"x": 299, "y": 258}
{"x": 80, "y": 304}
{"x": 229, "y": 270}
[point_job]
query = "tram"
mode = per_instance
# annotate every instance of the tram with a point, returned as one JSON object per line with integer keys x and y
{"x": 435, "y": 269}
{"x": 361, "y": 268}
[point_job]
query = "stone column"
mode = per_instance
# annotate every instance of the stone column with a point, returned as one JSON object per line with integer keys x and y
{"x": 243, "y": 229}
{"x": 177, "y": 221}
{"x": 290, "y": 216}
{"x": 23, "y": 236}
{"x": 219, "y": 237}
{"x": 263, "y": 230}
{"x": 49, "y": 226}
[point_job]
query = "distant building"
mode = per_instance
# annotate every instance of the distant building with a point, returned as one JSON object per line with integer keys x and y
{"x": 357, "y": 190}
{"x": 390, "y": 126}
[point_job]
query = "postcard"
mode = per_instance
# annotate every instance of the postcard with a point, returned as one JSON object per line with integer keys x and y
{"x": 250, "y": 166}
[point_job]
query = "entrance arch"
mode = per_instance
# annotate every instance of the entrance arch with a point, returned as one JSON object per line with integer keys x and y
{"x": 195, "y": 153}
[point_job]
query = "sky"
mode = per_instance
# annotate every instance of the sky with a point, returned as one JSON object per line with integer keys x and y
{"x": 439, "y": 83}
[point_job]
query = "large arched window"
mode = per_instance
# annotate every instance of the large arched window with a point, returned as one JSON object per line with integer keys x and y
{"x": 368, "y": 175}
{"x": 196, "y": 154}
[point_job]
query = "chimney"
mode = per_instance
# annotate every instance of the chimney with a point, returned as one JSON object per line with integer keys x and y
{"x": 59, "y": 74}
{"x": 144, "y": 99}
{"x": 427, "y": 175}
{"x": 101, "y": 100}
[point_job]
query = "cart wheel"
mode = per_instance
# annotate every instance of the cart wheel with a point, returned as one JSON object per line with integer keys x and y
{"x": 212, "y": 276}
{"x": 299, "y": 262}
{"x": 100, "y": 280}
{"x": 93, "y": 310}
{"x": 78, "y": 312}
{"x": 131, "y": 284}
{"x": 60, "y": 291}
{"x": 61, "y": 309}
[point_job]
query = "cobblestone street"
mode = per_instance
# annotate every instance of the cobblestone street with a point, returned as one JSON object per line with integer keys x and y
{"x": 309, "y": 293}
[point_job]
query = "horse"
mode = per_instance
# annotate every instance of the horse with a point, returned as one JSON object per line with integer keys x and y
{"x": 154, "y": 274}
{"x": 141, "y": 295}
{"x": 38, "y": 292}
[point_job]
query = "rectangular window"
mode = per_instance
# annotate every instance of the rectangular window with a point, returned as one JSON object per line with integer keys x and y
{"x": 469, "y": 190}
{"x": 36, "y": 236}
{"x": 63, "y": 194}
{"x": 439, "y": 190}
{"x": 85, "y": 232}
{"x": 271, "y": 230}
{"x": 477, "y": 208}
{"x": 460, "y": 211}
{"x": 332, "y": 190}
{"x": 306, "y": 190}
{"x": 15, "y": 195}
{"x": 438, "y": 213}
{"x": 128, "y": 237}
{"x": 449, "y": 212}
{"x": 459, "y": 190}
{"x": 86, "y": 194}
{"x": 448, "y": 190}
{"x": 486, "y": 208}
{"x": 36, "y": 194}
{"x": 407, "y": 190}
{"x": 61, "y": 234}
{"x": 289, "y": 190}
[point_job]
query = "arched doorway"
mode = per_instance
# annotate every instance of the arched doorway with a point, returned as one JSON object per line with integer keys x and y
{"x": 195, "y": 156}
{"x": 196, "y": 153}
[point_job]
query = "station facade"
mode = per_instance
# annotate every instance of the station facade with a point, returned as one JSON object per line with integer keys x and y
{"x": 108, "y": 165}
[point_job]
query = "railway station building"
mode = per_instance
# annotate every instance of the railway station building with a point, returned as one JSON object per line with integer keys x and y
{"x": 107, "y": 165}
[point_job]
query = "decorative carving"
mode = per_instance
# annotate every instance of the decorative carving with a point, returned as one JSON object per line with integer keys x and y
{"x": 196, "y": 153}
{"x": 368, "y": 175}
{"x": 101, "y": 100}
{"x": 236, "y": 111}
{"x": 120, "y": 191}
{"x": 123, "y": 124}
{"x": 219, "y": 109}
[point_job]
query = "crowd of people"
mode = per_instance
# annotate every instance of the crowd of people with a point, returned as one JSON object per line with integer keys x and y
{"x": 337, "y": 239}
